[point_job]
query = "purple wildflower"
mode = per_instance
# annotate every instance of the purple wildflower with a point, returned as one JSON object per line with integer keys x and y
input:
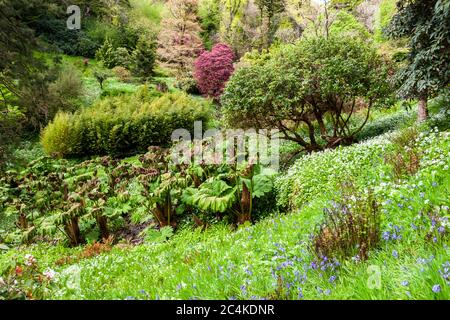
{"x": 436, "y": 288}
{"x": 243, "y": 289}
{"x": 300, "y": 293}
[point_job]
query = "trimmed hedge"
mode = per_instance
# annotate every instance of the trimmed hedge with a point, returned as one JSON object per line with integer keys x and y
{"x": 122, "y": 125}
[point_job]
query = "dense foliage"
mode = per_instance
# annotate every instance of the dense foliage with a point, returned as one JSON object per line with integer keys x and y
{"x": 302, "y": 85}
{"x": 178, "y": 42}
{"x": 427, "y": 25}
{"x": 354, "y": 205}
{"x": 272, "y": 259}
{"x": 213, "y": 69}
{"x": 122, "y": 124}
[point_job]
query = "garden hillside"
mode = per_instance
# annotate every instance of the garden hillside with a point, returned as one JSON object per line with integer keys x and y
{"x": 369, "y": 221}
{"x": 224, "y": 149}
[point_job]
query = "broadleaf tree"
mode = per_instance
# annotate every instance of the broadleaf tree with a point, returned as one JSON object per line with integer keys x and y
{"x": 310, "y": 91}
{"x": 426, "y": 23}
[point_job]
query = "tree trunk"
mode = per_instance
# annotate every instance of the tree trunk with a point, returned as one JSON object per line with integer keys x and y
{"x": 102, "y": 222}
{"x": 246, "y": 213}
{"x": 422, "y": 112}
{"x": 23, "y": 223}
{"x": 73, "y": 231}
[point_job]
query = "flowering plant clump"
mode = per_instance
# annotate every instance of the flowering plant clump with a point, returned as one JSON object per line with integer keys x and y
{"x": 26, "y": 281}
{"x": 351, "y": 226}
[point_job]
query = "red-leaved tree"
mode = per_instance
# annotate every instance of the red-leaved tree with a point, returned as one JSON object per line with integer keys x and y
{"x": 213, "y": 69}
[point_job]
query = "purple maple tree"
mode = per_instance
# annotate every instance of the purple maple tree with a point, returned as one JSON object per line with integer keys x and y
{"x": 213, "y": 69}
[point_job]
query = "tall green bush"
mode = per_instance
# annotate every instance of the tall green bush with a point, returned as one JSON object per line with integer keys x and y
{"x": 122, "y": 124}
{"x": 144, "y": 57}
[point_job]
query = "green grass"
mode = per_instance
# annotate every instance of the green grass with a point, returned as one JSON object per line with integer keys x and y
{"x": 272, "y": 259}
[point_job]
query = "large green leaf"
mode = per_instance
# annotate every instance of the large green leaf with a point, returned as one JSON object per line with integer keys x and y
{"x": 262, "y": 184}
{"x": 214, "y": 196}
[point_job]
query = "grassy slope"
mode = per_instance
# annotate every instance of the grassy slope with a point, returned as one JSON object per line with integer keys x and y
{"x": 273, "y": 256}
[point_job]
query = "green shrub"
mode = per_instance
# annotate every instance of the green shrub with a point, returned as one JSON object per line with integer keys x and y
{"x": 385, "y": 124}
{"x": 346, "y": 24}
{"x": 122, "y": 57}
{"x": 123, "y": 74}
{"x": 66, "y": 90}
{"x": 319, "y": 173}
{"x": 187, "y": 84}
{"x": 11, "y": 121}
{"x": 63, "y": 139}
{"x": 144, "y": 57}
{"x": 122, "y": 124}
{"x": 101, "y": 77}
{"x": 440, "y": 109}
{"x": 105, "y": 54}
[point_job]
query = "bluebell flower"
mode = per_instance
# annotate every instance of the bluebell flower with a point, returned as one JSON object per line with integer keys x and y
{"x": 395, "y": 253}
{"x": 434, "y": 184}
{"x": 441, "y": 229}
{"x": 328, "y": 292}
{"x": 405, "y": 283}
{"x": 300, "y": 293}
{"x": 436, "y": 288}
{"x": 332, "y": 279}
{"x": 273, "y": 273}
{"x": 421, "y": 260}
{"x": 243, "y": 289}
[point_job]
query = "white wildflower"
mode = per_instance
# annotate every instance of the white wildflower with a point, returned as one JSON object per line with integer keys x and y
{"x": 29, "y": 260}
{"x": 49, "y": 274}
